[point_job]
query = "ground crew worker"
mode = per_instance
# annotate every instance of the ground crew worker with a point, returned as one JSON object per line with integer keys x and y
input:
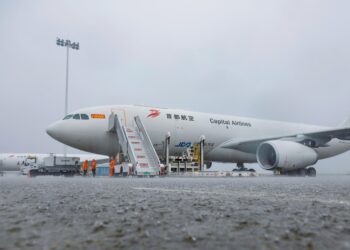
{"x": 85, "y": 167}
{"x": 111, "y": 167}
{"x": 121, "y": 172}
{"x": 93, "y": 167}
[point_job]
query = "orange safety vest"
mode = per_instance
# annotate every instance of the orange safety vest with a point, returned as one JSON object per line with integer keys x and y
{"x": 85, "y": 165}
{"x": 111, "y": 167}
{"x": 111, "y": 164}
{"x": 93, "y": 165}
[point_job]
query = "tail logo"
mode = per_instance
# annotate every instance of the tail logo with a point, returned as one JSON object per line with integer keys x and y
{"x": 153, "y": 113}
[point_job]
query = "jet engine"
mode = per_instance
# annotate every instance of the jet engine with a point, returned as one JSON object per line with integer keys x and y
{"x": 286, "y": 155}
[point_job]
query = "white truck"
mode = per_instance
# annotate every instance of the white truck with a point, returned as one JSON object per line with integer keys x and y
{"x": 51, "y": 165}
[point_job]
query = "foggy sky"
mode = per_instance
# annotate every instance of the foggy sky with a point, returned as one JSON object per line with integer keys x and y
{"x": 280, "y": 60}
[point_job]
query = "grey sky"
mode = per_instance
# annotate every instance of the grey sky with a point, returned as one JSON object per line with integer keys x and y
{"x": 281, "y": 60}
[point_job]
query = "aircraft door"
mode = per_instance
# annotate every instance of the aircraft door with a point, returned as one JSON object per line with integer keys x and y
{"x": 121, "y": 115}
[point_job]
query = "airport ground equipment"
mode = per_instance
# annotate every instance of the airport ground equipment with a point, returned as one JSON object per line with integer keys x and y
{"x": 201, "y": 152}
{"x": 53, "y": 165}
{"x": 191, "y": 161}
{"x": 136, "y": 144}
{"x": 196, "y": 153}
{"x": 102, "y": 170}
{"x": 183, "y": 166}
{"x": 167, "y": 144}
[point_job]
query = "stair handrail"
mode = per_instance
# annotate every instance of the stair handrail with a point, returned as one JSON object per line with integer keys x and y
{"x": 142, "y": 129}
{"x": 126, "y": 147}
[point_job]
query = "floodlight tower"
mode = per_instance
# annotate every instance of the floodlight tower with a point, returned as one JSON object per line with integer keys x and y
{"x": 69, "y": 45}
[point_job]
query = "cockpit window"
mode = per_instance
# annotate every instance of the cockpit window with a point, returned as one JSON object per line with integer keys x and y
{"x": 67, "y": 117}
{"x": 77, "y": 117}
{"x": 84, "y": 117}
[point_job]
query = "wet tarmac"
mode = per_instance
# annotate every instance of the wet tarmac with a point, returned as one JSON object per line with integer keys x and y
{"x": 175, "y": 213}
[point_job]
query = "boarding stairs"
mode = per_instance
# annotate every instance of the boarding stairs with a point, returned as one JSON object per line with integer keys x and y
{"x": 137, "y": 145}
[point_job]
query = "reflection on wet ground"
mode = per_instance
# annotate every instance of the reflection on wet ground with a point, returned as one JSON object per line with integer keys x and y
{"x": 175, "y": 213}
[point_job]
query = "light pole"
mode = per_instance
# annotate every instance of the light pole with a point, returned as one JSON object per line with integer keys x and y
{"x": 69, "y": 45}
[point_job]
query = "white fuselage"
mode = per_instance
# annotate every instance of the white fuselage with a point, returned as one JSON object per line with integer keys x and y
{"x": 185, "y": 128}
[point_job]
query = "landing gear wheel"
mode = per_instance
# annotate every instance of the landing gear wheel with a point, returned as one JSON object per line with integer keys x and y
{"x": 287, "y": 173}
{"x": 297, "y": 172}
{"x": 311, "y": 172}
{"x": 240, "y": 167}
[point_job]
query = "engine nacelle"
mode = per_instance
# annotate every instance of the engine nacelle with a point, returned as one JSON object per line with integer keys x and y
{"x": 286, "y": 155}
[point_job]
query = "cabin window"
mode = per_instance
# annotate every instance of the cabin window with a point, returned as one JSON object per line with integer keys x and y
{"x": 67, "y": 117}
{"x": 84, "y": 117}
{"x": 76, "y": 117}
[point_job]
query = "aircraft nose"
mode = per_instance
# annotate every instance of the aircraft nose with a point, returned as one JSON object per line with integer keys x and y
{"x": 55, "y": 130}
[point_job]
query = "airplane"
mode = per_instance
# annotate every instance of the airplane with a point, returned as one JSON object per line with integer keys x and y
{"x": 285, "y": 148}
{"x": 15, "y": 161}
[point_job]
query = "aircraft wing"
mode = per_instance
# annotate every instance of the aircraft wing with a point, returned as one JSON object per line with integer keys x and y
{"x": 312, "y": 139}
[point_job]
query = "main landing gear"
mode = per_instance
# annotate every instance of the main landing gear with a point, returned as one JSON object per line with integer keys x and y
{"x": 311, "y": 172}
{"x": 241, "y": 168}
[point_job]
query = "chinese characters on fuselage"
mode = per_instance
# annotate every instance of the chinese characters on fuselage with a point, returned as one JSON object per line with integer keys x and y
{"x": 180, "y": 117}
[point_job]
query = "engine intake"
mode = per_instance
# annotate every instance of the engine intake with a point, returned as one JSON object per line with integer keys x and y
{"x": 285, "y": 155}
